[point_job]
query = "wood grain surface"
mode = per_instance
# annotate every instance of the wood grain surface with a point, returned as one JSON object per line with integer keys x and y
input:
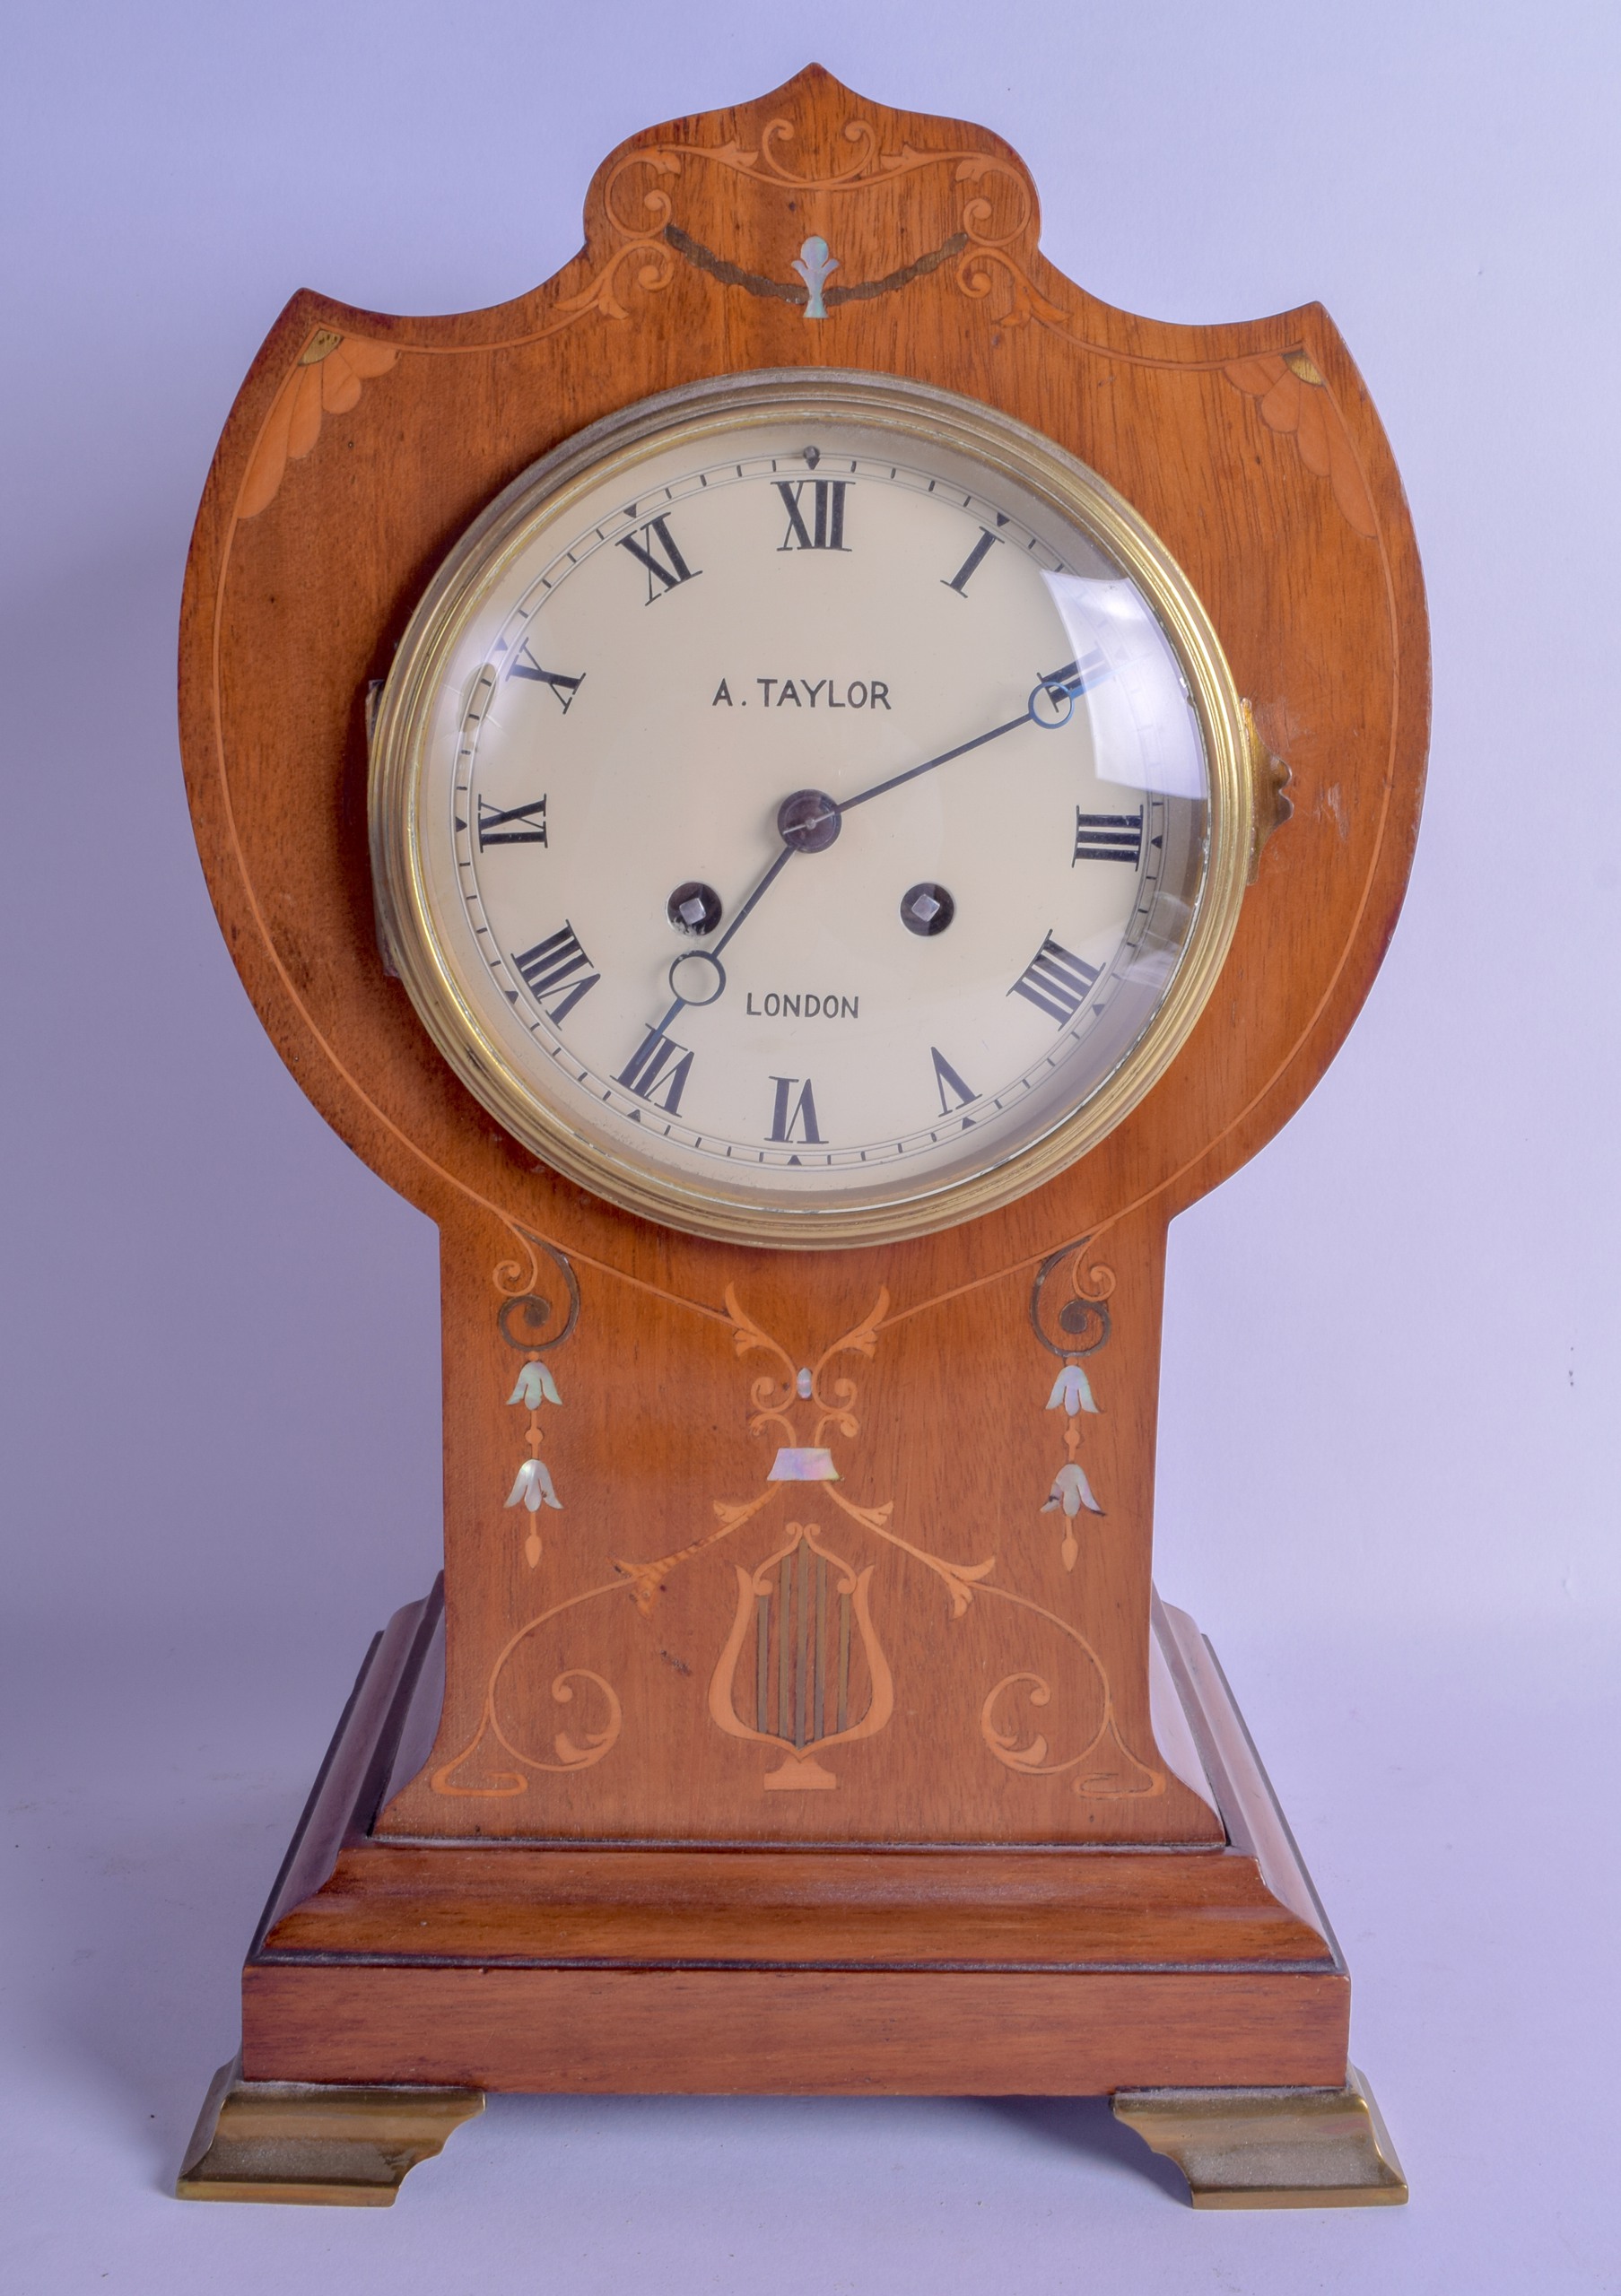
{"x": 1062, "y": 1971}
{"x": 582, "y": 1679}
{"x": 802, "y": 2033}
{"x": 348, "y": 1891}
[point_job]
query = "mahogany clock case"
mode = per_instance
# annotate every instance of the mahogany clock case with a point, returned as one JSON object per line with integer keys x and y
{"x": 616, "y": 1785}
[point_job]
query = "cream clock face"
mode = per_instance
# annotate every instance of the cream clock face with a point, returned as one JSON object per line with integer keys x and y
{"x": 809, "y": 809}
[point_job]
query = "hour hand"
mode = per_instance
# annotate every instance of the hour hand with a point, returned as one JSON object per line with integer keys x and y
{"x": 698, "y": 976}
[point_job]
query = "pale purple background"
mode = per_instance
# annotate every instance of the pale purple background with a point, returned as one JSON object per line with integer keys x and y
{"x": 1388, "y": 1480}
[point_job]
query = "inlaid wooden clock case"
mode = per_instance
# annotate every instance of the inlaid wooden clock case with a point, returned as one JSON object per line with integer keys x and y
{"x": 616, "y": 1860}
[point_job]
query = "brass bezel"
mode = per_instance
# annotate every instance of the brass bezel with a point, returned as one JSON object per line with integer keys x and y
{"x": 615, "y": 446}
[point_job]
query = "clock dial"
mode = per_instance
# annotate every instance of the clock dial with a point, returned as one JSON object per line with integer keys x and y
{"x": 797, "y": 817}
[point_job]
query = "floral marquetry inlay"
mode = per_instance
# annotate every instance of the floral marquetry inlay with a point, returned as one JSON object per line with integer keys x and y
{"x": 964, "y": 212}
{"x": 326, "y": 379}
{"x": 534, "y": 1323}
{"x": 1069, "y": 1316}
{"x": 801, "y": 1668}
{"x": 986, "y": 209}
{"x": 1293, "y": 398}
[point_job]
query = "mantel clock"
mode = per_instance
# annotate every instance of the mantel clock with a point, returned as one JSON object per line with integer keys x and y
{"x": 800, "y": 789}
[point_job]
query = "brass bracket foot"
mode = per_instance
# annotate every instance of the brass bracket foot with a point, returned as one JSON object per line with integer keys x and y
{"x": 345, "y": 2146}
{"x": 1272, "y": 2148}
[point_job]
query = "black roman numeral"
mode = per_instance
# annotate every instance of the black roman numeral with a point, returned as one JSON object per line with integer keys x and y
{"x": 657, "y": 1071}
{"x": 551, "y": 965}
{"x": 786, "y": 1115}
{"x": 964, "y": 574}
{"x": 666, "y": 568}
{"x": 1108, "y": 837}
{"x": 948, "y": 1081}
{"x": 1057, "y": 982}
{"x": 517, "y": 825}
{"x": 525, "y": 665}
{"x": 827, "y": 530}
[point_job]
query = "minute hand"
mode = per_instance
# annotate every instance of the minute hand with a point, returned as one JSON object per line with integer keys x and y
{"x": 848, "y": 804}
{"x": 1065, "y": 685}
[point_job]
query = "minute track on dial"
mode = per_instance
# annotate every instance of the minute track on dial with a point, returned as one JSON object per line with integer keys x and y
{"x": 908, "y": 1003}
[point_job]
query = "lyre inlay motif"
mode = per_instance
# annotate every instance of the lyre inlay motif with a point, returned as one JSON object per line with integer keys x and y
{"x": 803, "y": 1659}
